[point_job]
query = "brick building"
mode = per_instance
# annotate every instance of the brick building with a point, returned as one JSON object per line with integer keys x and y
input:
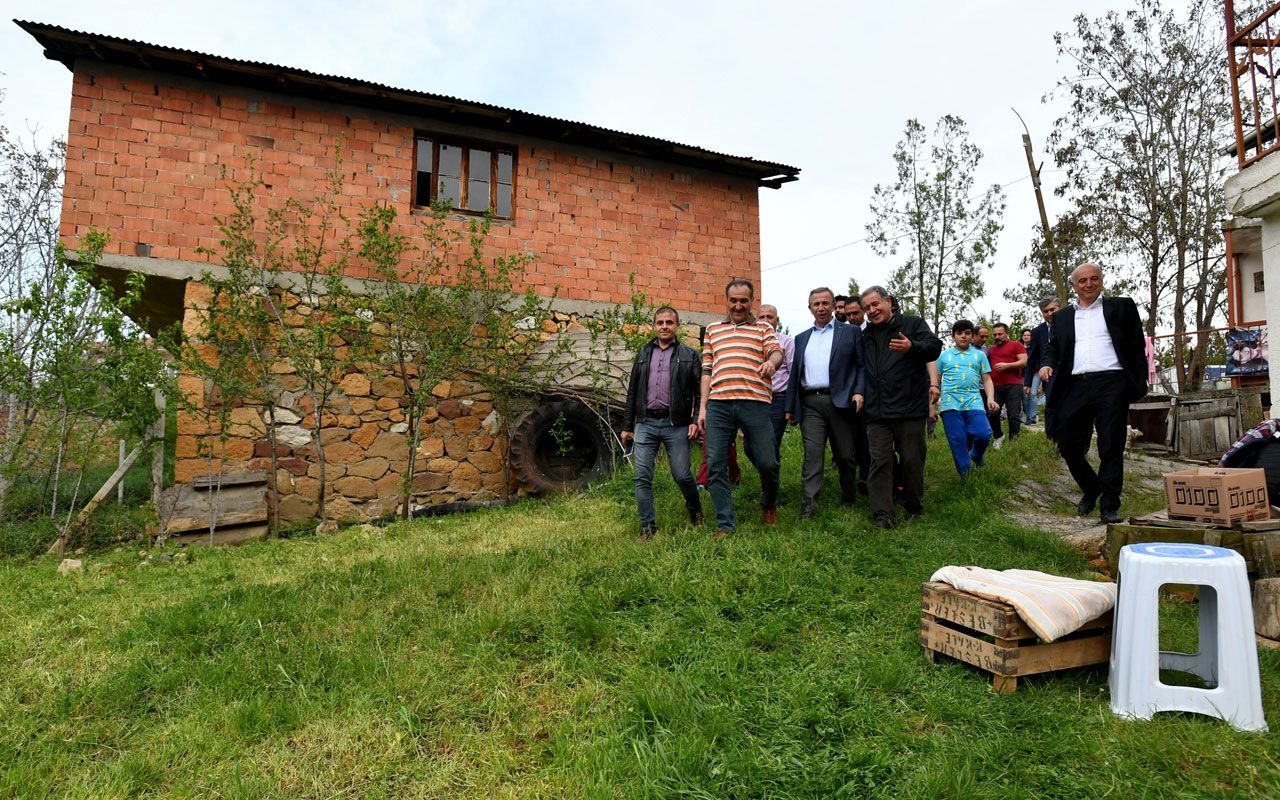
{"x": 152, "y": 127}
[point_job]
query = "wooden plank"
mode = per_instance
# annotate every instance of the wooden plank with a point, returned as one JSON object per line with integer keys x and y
{"x": 1066, "y": 654}
{"x": 1213, "y": 413}
{"x": 977, "y": 613}
{"x": 224, "y": 537}
{"x": 205, "y": 482}
{"x": 965, "y": 647}
{"x": 1258, "y": 524}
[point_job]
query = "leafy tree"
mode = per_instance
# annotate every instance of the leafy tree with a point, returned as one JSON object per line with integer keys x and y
{"x": 73, "y": 366}
{"x": 930, "y": 210}
{"x": 1141, "y": 146}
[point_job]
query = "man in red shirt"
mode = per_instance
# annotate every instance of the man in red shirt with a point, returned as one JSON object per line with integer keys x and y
{"x": 1007, "y": 357}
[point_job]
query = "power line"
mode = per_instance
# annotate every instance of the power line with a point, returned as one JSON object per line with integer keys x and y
{"x": 890, "y": 239}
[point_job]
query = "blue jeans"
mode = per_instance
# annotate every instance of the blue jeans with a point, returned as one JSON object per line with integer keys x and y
{"x": 968, "y": 433}
{"x": 724, "y": 419}
{"x": 649, "y": 434}
{"x": 1032, "y": 402}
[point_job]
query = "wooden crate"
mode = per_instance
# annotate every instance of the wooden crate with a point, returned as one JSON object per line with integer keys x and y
{"x": 991, "y": 636}
{"x": 1258, "y": 541}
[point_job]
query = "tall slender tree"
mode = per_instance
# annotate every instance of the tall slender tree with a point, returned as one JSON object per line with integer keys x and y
{"x": 1141, "y": 144}
{"x": 932, "y": 212}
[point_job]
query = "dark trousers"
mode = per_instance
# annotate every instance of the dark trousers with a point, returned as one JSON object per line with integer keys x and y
{"x": 820, "y": 422}
{"x": 904, "y": 437}
{"x": 778, "y": 418}
{"x": 861, "y": 454}
{"x": 724, "y": 419}
{"x": 1094, "y": 402}
{"x": 1010, "y": 399}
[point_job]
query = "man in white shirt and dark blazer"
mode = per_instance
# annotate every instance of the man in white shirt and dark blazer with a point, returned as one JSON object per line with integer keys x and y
{"x": 1097, "y": 359}
{"x": 825, "y": 375}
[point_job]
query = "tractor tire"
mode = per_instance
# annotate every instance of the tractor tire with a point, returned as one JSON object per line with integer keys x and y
{"x": 562, "y": 446}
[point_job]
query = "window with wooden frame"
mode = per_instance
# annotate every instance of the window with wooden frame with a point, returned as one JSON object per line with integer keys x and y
{"x": 474, "y": 178}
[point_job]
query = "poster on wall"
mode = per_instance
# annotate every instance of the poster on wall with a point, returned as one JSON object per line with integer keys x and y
{"x": 1247, "y": 351}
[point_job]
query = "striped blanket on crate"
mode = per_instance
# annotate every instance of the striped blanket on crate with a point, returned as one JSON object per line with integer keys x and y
{"x": 1051, "y": 606}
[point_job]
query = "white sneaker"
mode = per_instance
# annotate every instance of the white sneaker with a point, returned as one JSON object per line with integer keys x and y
{"x": 996, "y": 444}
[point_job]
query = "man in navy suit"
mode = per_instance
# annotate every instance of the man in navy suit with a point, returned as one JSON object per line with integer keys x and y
{"x": 1031, "y": 383}
{"x": 826, "y": 373}
{"x": 1098, "y": 362}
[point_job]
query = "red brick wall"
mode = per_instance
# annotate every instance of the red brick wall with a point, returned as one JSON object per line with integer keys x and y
{"x": 144, "y": 158}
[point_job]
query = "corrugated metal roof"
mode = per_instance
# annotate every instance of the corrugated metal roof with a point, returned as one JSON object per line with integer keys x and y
{"x": 66, "y": 46}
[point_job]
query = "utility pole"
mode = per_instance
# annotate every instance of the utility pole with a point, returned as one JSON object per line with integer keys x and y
{"x": 1044, "y": 216}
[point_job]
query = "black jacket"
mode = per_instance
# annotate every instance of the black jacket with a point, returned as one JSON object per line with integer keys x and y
{"x": 897, "y": 384}
{"x": 1125, "y": 327}
{"x": 685, "y": 392}
{"x": 1035, "y": 352}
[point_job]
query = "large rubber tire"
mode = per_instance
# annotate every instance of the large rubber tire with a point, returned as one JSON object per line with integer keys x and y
{"x": 562, "y": 446}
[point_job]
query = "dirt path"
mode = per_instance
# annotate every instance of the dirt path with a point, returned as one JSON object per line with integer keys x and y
{"x": 1143, "y": 484}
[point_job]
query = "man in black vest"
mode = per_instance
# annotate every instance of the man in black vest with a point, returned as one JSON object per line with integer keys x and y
{"x": 1097, "y": 360}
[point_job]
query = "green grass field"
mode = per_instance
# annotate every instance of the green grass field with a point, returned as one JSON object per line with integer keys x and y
{"x": 541, "y": 651}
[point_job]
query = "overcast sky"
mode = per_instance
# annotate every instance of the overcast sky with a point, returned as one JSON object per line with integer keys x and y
{"x": 824, "y": 86}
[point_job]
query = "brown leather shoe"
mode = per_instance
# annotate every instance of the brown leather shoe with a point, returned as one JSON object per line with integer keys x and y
{"x": 769, "y": 516}
{"x": 720, "y": 536}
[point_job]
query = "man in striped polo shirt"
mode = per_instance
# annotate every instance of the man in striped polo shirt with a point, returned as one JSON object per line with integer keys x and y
{"x": 739, "y": 357}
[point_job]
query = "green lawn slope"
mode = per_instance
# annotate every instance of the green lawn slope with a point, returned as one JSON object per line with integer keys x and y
{"x": 541, "y": 651}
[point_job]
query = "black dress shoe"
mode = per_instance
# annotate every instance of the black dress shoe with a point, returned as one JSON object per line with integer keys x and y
{"x": 1085, "y": 507}
{"x": 1110, "y": 518}
{"x": 695, "y": 520}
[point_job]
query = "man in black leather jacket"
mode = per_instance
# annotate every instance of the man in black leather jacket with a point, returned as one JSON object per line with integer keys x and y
{"x": 662, "y": 403}
{"x": 896, "y": 351}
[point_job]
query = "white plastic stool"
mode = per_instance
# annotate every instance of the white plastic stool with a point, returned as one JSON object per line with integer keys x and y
{"x": 1228, "y": 656}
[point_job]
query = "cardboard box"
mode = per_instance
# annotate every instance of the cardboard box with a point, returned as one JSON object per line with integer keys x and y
{"x": 1217, "y": 495}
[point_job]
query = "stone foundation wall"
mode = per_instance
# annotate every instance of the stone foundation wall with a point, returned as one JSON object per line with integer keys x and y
{"x": 364, "y": 433}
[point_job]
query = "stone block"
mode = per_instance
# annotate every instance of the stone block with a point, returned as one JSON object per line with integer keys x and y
{"x": 449, "y": 409}
{"x": 485, "y": 461}
{"x": 441, "y": 389}
{"x": 1266, "y": 607}
{"x": 186, "y": 447}
{"x": 308, "y": 488}
{"x": 293, "y": 436}
{"x": 246, "y": 422}
{"x": 371, "y": 468}
{"x": 355, "y": 385}
{"x": 359, "y": 405}
{"x": 341, "y": 509}
{"x": 445, "y": 465}
{"x": 356, "y": 487}
{"x": 465, "y": 478}
{"x": 330, "y": 436}
{"x": 366, "y": 435}
{"x": 431, "y": 448}
{"x": 456, "y": 448}
{"x": 387, "y": 403}
{"x": 481, "y": 441}
{"x": 348, "y": 421}
{"x": 464, "y": 426}
{"x": 429, "y": 482}
{"x": 387, "y": 387}
{"x": 389, "y": 446}
{"x": 262, "y": 449}
{"x": 294, "y": 508}
{"x": 344, "y": 453}
{"x": 284, "y": 416}
{"x": 388, "y": 486}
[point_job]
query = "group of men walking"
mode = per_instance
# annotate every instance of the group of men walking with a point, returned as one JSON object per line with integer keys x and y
{"x": 864, "y": 379}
